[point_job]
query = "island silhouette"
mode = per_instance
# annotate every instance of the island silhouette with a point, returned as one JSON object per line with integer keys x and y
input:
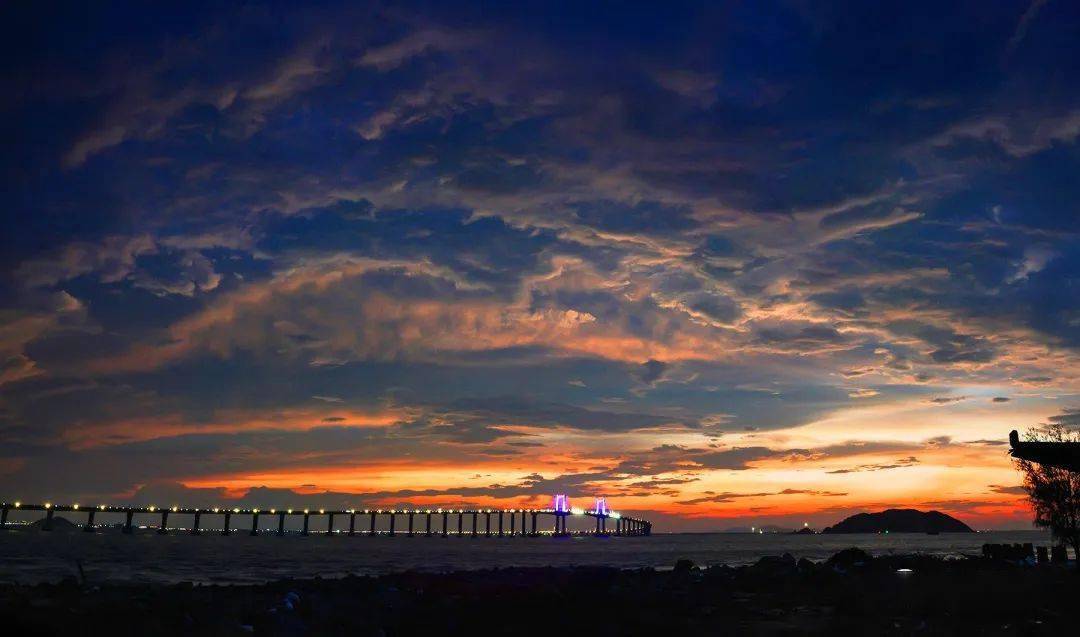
{"x": 900, "y": 521}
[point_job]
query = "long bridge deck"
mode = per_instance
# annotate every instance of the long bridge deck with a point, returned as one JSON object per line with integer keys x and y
{"x": 413, "y": 521}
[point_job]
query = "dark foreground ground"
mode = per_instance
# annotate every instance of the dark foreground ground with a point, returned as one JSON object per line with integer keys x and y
{"x": 849, "y": 594}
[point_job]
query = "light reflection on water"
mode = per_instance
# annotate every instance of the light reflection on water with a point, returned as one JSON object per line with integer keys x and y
{"x": 31, "y": 556}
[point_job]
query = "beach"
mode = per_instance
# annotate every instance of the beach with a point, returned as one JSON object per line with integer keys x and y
{"x": 849, "y": 593}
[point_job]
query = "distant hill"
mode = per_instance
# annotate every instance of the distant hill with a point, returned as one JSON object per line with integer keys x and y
{"x": 59, "y": 525}
{"x": 900, "y": 521}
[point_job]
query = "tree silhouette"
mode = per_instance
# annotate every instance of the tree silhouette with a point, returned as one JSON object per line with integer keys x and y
{"x": 1054, "y": 492}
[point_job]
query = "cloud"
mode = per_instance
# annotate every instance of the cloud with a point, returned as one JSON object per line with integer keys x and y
{"x": 898, "y": 464}
{"x": 390, "y": 56}
{"x": 946, "y": 400}
{"x": 652, "y": 371}
{"x": 1070, "y": 417}
{"x": 1004, "y": 490}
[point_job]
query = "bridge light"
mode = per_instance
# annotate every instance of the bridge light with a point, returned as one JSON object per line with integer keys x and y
{"x": 18, "y": 504}
{"x": 290, "y": 511}
{"x": 576, "y": 511}
{"x": 306, "y": 511}
{"x": 75, "y": 507}
{"x": 216, "y": 509}
{"x": 321, "y": 511}
{"x": 273, "y": 510}
{"x": 236, "y": 510}
{"x": 102, "y": 507}
{"x": 151, "y": 508}
{"x": 174, "y": 509}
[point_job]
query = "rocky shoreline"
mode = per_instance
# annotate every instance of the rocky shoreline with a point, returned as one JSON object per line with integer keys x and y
{"x": 851, "y": 593}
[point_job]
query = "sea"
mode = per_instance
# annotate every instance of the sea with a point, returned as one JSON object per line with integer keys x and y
{"x": 30, "y": 556}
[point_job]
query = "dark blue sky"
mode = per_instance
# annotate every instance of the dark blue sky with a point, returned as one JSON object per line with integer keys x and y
{"x": 682, "y": 255}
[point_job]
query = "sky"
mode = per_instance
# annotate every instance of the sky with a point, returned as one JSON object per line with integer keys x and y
{"x": 724, "y": 263}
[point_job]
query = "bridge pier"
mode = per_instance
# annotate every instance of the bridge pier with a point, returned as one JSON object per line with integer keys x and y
{"x": 487, "y": 523}
{"x": 474, "y": 524}
{"x": 89, "y": 528}
{"x": 500, "y": 523}
{"x": 460, "y": 522}
{"x": 307, "y": 523}
{"x": 281, "y": 524}
{"x": 330, "y": 524}
{"x": 352, "y": 523}
{"x": 534, "y": 514}
{"x": 392, "y": 518}
{"x": 127, "y": 522}
{"x": 227, "y": 530}
{"x": 411, "y": 513}
{"x": 428, "y": 528}
{"x": 195, "y": 523}
{"x": 371, "y": 530}
{"x": 162, "y": 530}
{"x": 48, "y": 519}
{"x": 3, "y": 517}
{"x": 445, "y": 529}
{"x": 255, "y": 523}
{"x": 513, "y": 520}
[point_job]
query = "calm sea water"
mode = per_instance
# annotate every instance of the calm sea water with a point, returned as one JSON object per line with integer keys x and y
{"x": 30, "y": 556}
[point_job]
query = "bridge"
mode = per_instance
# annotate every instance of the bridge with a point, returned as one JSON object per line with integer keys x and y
{"x": 425, "y": 522}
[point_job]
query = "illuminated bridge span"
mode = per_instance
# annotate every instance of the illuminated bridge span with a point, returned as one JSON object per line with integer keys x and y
{"x": 426, "y": 522}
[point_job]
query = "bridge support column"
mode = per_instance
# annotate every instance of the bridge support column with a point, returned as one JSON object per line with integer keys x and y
{"x": 371, "y": 530}
{"x": 474, "y": 518}
{"x": 227, "y": 530}
{"x": 524, "y": 529}
{"x": 3, "y": 517}
{"x": 533, "y": 531}
{"x": 428, "y": 528}
{"x": 487, "y": 523}
{"x": 393, "y": 517}
{"x": 254, "y": 523}
{"x": 48, "y": 519}
{"x": 445, "y": 528}
{"x": 411, "y": 513}
{"x": 330, "y": 524}
{"x": 89, "y": 528}
{"x": 162, "y": 530}
{"x": 281, "y": 524}
{"x": 513, "y": 520}
{"x": 307, "y": 523}
{"x": 127, "y": 522}
{"x": 460, "y": 522}
{"x": 195, "y": 523}
{"x": 500, "y": 523}
{"x": 352, "y": 524}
